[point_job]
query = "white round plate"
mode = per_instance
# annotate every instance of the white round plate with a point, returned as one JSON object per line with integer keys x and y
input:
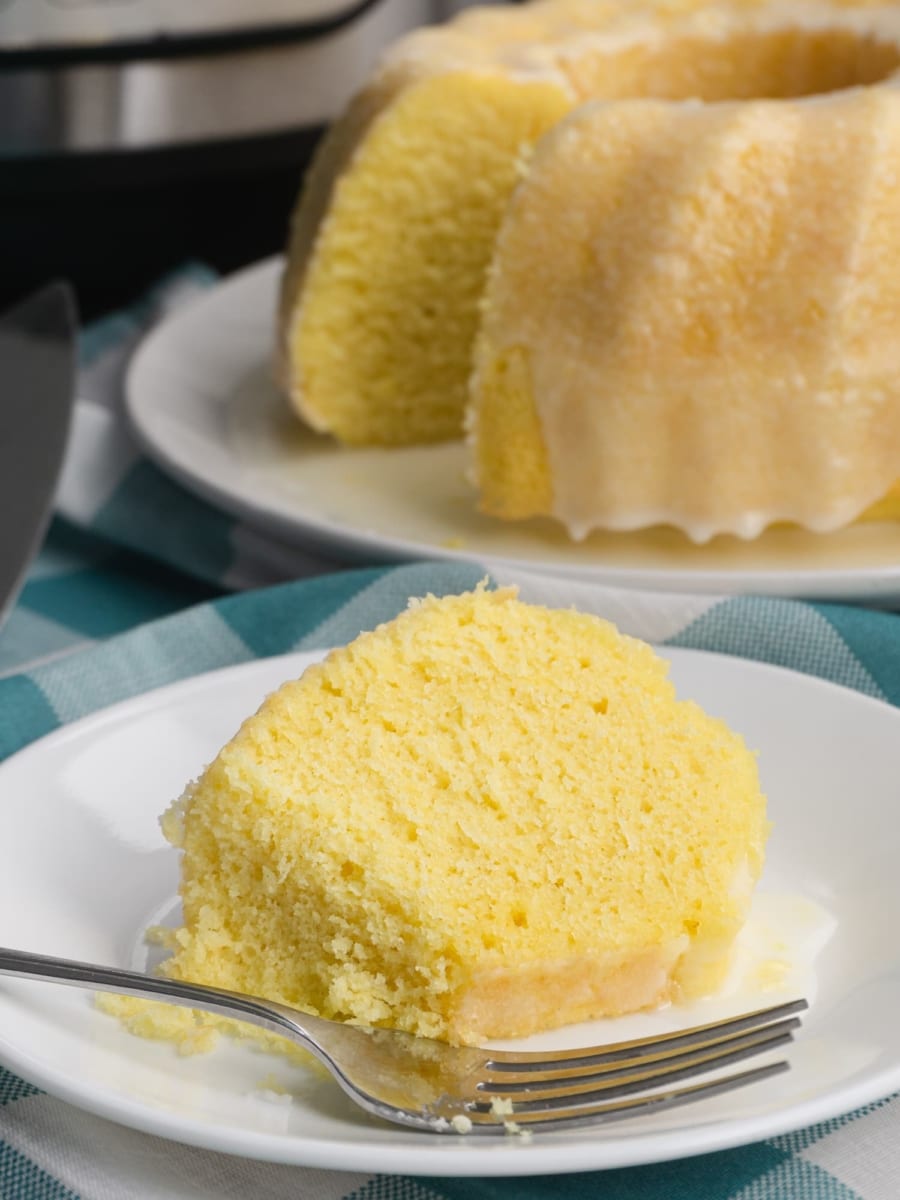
{"x": 203, "y": 405}
{"x": 84, "y": 870}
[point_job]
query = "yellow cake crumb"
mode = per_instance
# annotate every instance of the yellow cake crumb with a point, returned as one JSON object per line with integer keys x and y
{"x": 189, "y": 1030}
{"x": 482, "y": 819}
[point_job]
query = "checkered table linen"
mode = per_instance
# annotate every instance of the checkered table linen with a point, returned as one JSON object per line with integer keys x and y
{"x": 139, "y": 584}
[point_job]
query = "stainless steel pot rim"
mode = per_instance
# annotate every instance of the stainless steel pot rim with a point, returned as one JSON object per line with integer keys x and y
{"x": 148, "y": 104}
{"x": 84, "y": 50}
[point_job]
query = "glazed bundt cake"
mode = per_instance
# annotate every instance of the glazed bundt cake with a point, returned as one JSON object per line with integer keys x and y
{"x": 712, "y": 407}
{"x": 619, "y": 377}
{"x": 482, "y": 819}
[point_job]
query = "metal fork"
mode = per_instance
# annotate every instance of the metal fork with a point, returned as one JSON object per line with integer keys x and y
{"x": 430, "y": 1085}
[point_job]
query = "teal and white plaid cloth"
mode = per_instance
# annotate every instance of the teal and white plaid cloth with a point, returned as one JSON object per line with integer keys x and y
{"x": 140, "y": 584}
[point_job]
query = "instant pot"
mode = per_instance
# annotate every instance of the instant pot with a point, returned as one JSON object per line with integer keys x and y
{"x": 137, "y": 134}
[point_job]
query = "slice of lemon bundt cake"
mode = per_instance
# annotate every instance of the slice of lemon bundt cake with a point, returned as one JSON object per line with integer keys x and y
{"x": 482, "y": 819}
{"x": 379, "y": 338}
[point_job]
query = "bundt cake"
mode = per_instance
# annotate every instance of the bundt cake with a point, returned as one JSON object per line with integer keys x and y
{"x": 618, "y": 374}
{"x": 481, "y": 819}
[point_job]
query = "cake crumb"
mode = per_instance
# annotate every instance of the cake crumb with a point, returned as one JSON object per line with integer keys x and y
{"x": 502, "y": 1108}
{"x": 271, "y": 1096}
{"x": 461, "y": 1123}
{"x": 518, "y": 1131}
{"x": 161, "y": 935}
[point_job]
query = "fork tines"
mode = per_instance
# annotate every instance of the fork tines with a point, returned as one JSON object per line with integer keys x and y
{"x": 615, "y": 1081}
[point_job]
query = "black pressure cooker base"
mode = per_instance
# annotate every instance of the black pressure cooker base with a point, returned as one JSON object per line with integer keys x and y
{"x": 113, "y": 223}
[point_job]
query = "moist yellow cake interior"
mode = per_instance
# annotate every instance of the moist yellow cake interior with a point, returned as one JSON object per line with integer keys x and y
{"x": 389, "y": 324}
{"x": 482, "y": 819}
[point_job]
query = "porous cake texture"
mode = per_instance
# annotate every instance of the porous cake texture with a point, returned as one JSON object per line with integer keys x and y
{"x": 397, "y": 217}
{"x": 679, "y": 312}
{"x": 482, "y": 819}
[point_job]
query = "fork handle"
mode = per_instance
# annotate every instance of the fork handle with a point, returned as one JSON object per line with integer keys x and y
{"x": 21, "y": 964}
